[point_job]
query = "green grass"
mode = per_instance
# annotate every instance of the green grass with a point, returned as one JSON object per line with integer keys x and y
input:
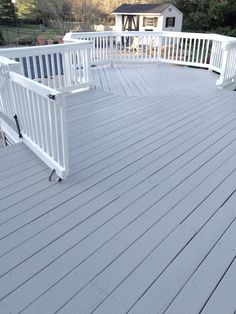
{"x": 14, "y": 34}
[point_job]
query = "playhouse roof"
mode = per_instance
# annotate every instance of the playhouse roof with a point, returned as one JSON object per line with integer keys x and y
{"x": 142, "y": 8}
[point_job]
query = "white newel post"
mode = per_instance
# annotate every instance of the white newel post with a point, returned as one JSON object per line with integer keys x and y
{"x": 111, "y": 48}
{"x": 67, "y": 68}
{"x": 225, "y": 52}
{"x": 64, "y": 135}
{"x": 159, "y": 45}
{"x": 213, "y": 56}
{"x": 88, "y": 65}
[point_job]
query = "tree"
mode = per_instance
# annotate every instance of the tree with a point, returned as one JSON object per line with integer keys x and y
{"x": 7, "y": 10}
{"x": 55, "y": 9}
{"x": 86, "y": 11}
{"x": 55, "y": 13}
{"x": 27, "y": 8}
{"x": 1, "y": 39}
{"x": 208, "y": 15}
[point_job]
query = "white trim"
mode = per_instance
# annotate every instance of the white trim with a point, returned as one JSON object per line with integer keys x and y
{"x": 142, "y": 14}
{"x": 145, "y": 13}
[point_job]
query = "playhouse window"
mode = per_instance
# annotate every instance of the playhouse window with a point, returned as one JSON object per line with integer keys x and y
{"x": 150, "y": 21}
{"x": 170, "y": 22}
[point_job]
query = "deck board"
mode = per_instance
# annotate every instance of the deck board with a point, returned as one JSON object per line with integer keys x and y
{"x": 210, "y": 272}
{"x": 145, "y": 210}
{"x": 219, "y": 301}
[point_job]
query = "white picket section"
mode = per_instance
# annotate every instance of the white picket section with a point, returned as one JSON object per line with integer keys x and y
{"x": 57, "y": 66}
{"x": 101, "y": 43}
{"x": 185, "y": 49}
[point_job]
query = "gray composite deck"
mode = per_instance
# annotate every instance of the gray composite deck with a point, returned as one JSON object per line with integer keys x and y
{"x": 145, "y": 222}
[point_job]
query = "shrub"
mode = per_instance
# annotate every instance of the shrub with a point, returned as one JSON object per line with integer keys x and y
{"x": 227, "y": 31}
{"x": 26, "y": 41}
{"x": 1, "y": 39}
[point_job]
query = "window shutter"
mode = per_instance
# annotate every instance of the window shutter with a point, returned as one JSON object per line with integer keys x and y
{"x": 144, "y": 21}
{"x": 155, "y": 21}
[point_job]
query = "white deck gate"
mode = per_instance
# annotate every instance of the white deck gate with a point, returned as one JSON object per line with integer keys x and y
{"x": 35, "y": 114}
{"x": 32, "y": 107}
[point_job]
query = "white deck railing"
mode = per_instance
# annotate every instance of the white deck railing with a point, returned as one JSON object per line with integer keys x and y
{"x": 61, "y": 67}
{"x": 37, "y": 101}
{"x": 40, "y": 113}
{"x": 200, "y": 50}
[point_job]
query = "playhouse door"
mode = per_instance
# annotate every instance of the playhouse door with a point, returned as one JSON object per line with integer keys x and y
{"x": 130, "y": 23}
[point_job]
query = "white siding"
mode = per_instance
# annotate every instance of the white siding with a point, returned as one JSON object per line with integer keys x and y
{"x": 178, "y": 20}
{"x": 118, "y": 23}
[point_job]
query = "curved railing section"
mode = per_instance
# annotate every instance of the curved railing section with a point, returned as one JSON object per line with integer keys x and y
{"x": 211, "y": 51}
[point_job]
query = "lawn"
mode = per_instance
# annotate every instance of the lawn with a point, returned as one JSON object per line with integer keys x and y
{"x": 13, "y": 35}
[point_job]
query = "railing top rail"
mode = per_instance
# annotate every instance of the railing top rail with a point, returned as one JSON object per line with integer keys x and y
{"x": 223, "y": 38}
{"x": 34, "y": 51}
{"x": 71, "y": 34}
{"x": 211, "y": 36}
{"x": 6, "y": 61}
{"x": 33, "y": 86}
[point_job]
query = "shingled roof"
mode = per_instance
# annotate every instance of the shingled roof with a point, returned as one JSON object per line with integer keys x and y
{"x": 141, "y": 8}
